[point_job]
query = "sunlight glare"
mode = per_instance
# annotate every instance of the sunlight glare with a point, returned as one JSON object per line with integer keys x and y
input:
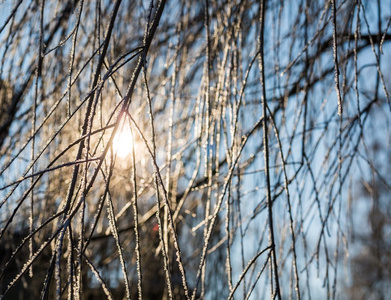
{"x": 123, "y": 140}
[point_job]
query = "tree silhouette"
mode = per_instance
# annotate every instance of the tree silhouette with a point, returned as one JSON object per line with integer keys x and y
{"x": 183, "y": 150}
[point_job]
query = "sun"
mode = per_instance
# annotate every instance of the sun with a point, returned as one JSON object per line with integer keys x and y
{"x": 123, "y": 141}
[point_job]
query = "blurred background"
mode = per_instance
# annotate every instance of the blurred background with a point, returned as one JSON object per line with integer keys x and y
{"x": 195, "y": 149}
